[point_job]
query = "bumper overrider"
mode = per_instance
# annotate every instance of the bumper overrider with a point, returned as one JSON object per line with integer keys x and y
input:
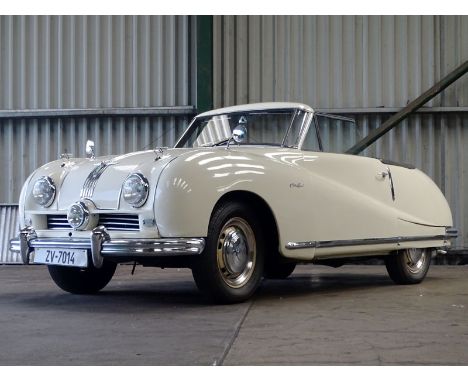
{"x": 102, "y": 245}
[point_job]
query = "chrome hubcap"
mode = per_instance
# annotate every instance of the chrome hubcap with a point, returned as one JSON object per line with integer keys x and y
{"x": 236, "y": 252}
{"x": 415, "y": 259}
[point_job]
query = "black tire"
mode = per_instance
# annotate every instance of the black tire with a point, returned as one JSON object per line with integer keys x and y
{"x": 278, "y": 270}
{"x": 211, "y": 271}
{"x": 409, "y": 266}
{"x": 82, "y": 281}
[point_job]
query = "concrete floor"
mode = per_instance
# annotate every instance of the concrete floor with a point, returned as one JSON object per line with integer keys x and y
{"x": 320, "y": 316}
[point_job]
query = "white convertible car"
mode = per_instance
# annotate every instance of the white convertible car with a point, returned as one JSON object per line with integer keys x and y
{"x": 247, "y": 192}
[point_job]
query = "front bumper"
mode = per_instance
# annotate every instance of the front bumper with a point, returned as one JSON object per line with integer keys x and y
{"x": 101, "y": 245}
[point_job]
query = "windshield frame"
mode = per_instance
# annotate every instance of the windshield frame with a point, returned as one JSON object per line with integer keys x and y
{"x": 316, "y": 123}
{"x": 293, "y": 110}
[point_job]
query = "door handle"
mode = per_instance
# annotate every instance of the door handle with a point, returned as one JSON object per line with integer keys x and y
{"x": 382, "y": 175}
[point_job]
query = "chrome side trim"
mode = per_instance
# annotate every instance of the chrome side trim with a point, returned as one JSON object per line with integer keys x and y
{"x": 90, "y": 183}
{"x": 301, "y": 244}
{"x": 154, "y": 247}
{"x": 355, "y": 242}
{"x": 452, "y": 232}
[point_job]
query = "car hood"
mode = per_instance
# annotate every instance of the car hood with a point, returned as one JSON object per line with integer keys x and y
{"x": 100, "y": 179}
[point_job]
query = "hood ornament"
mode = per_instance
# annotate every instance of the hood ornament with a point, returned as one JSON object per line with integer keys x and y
{"x": 159, "y": 151}
{"x": 90, "y": 153}
{"x": 65, "y": 155}
{"x": 89, "y": 185}
{"x": 66, "y": 159}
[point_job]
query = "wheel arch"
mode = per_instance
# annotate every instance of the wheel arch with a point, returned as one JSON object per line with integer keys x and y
{"x": 260, "y": 205}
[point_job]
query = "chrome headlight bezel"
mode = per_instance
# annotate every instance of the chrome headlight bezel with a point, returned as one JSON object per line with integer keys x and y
{"x": 51, "y": 188}
{"x": 136, "y": 198}
{"x": 84, "y": 218}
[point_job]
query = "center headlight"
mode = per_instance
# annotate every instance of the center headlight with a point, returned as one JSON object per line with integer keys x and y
{"x": 135, "y": 190}
{"x": 43, "y": 191}
{"x": 78, "y": 215}
{"x": 82, "y": 215}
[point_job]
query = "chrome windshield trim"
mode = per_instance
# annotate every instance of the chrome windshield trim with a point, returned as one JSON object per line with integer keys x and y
{"x": 305, "y": 129}
{"x": 371, "y": 241}
{"x": 290, "y": 109}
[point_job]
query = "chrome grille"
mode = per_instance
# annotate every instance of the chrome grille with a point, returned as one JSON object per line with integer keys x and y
{"x": 112, "y": 222}
{"x": 119, "y": 222}
{"x": 57, "y": 222}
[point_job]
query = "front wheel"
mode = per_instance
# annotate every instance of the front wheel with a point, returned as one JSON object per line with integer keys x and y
{"x": 409, "y": 266}
{"x": 230, "y": 268}
{"x": 82, "y": 281}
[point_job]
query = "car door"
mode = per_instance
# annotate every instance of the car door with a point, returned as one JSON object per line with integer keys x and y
{"x": 350, "y": 197}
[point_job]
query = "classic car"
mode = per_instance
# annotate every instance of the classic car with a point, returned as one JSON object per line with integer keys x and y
{"x": 247, "y": 192}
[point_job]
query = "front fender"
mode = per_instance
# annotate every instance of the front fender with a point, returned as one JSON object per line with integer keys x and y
{"x": 192, "y": 184}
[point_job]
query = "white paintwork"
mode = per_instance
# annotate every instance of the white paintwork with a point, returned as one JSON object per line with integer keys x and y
{"x": 314, "y": 196}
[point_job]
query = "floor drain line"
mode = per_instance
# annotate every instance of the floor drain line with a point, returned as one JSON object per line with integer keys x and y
{"x": 227, "y": 349}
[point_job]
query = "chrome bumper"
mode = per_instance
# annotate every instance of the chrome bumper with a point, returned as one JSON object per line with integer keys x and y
{"x": 101, "y": 245}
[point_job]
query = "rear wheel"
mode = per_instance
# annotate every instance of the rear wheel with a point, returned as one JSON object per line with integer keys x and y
{"x": 82, "y": 281}
{"x": 230, "y": 268}
{"x": 409, "y": 266}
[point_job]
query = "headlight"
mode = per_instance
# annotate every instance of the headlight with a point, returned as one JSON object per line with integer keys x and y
{"x": 44, "y": 191}
{"x": 78, "y": 215}
{"x": 135, "y": 190}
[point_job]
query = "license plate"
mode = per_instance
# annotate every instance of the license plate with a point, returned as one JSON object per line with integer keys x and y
{"x": 61, "y": 256}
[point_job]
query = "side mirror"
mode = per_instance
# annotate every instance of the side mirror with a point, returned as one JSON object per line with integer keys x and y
{"x": 90, "y": 149}
{"x": 239, "y": 134}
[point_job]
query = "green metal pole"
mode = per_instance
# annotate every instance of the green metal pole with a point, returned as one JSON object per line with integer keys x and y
{"x": 204, "y": 63}
{"x": 410, "y": 108}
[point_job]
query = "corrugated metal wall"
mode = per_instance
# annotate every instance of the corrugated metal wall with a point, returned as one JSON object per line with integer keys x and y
{"x": 9, "y": 229}
{"x": 337, "y": 61}
{"x": 365, "y": 67}
{"x": 26, "y": 144}
{"x": 95, "y": 61}
{"x": 81, "y": 62}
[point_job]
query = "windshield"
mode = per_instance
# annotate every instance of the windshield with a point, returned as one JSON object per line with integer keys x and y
{"x": 278, "y": 128}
